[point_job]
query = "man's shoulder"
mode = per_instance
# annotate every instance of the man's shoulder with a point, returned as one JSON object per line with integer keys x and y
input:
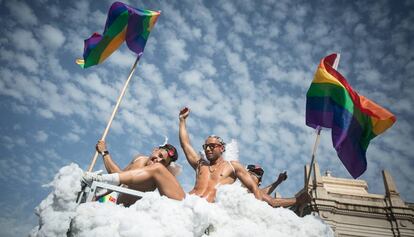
{"x": 140, "y": 158}
{"x": 235, "y": 164}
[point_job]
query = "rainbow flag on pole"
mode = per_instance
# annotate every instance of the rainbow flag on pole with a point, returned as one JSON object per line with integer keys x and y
{"x": 124, "y": 23}
{"x": 354, "y": 119}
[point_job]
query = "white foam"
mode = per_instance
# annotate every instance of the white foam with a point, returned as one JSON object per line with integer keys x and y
{"x": 235, "y": 213}
{"x": 232, "y": 151}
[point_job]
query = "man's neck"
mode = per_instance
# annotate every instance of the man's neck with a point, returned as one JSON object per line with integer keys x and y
{"x": 217, "y": 161}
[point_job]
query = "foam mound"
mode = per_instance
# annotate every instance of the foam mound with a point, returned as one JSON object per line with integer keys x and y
{"x": 235, "y": 213}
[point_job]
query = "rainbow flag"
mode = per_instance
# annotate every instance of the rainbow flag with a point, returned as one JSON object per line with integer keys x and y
{"x": 124, "y": 23}
{"x": 354, "y": 119}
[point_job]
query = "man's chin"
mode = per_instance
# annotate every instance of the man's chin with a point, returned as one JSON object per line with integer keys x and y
{"x": 211, "y": 158}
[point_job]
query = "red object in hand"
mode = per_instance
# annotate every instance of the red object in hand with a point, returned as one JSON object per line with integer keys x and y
{"x": 184, "y": 111}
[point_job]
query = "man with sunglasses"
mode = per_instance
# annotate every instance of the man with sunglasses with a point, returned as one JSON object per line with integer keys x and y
{"x": 256, "y": 172}
{"x": 144, "y": 173}
{"x": 215, "y": 171}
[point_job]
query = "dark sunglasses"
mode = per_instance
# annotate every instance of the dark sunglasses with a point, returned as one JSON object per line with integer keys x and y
{"x": 255, "y": 169}
{"x": 211, "y": 146}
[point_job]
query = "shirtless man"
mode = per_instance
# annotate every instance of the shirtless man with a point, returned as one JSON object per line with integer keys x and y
{"x": 257, "y": 172}
{"x": 144, "y": 173}
{"x": 216, "y": 171}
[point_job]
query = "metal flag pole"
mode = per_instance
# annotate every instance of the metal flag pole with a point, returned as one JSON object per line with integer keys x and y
{"x": 115, "y": 110}
{"x": 318, "y": 135}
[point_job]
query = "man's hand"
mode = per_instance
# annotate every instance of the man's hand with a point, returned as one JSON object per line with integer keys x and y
{"x": 101, "y": 146}
{"x": 184, "y": 112}
{"x": 282, "y": 177}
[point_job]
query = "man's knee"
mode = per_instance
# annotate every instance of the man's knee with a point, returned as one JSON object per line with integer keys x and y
{"x": 157, "y": 168}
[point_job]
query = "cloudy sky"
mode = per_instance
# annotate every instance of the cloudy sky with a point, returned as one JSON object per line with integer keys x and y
{"x": 243, "y": 67}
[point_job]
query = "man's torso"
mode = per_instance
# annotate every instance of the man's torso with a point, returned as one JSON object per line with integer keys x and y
{"x": 208, "y": 178}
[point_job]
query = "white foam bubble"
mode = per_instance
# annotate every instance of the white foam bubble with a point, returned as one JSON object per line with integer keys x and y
{"x": 235, "y": 213}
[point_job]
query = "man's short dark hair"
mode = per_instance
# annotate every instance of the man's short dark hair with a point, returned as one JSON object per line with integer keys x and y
{"x": 256, "y": 170}
{"x": 219, "y": 139}
{"x": 172, "y": 152}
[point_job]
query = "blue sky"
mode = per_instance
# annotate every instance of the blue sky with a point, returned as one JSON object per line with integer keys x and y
{"x": 243, "y": 67}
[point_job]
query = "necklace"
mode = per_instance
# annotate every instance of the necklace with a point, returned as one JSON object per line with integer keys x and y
{"x": 215, "y": 168}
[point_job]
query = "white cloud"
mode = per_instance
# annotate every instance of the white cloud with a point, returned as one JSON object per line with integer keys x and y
{"x": 20, "y": 109}
{"x": 52, "y": 36}
{"x": 78, "y": 14}
{"x": 22, "y": 12}
{"x": 206, "y": 66}
{"x": 241, "y": 25}
{"x": 74, "y": 92}
{"x": 93, "y": 82}
{"x": 176, "y": 49}
{"x": 237, "y": 64}
{"x": 19, "y": 60}
{"x": 25, "y": 40}
{"x": 192, "y": 78}
{"x": 122, "y": 58}
{"x": 176, "y": 18}
{"x": 41, "y": 136}
{"x": 26, "y": 62}
{"x": 228, "y": 7}
{"x": 360, "y": 30}
{"x": 293, "y": 31}
{"x": 71, "y": 137}
{"x": 350, "y": 17}
{"x": 45, "y": 113}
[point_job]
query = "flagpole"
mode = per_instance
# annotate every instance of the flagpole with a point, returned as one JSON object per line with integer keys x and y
{"x": 115, "y": 110}
{"x": 318, "y": 135}
{"x": 315, "y": 147}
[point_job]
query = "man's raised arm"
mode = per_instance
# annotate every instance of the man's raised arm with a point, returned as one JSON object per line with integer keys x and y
{"x": 190, "y": 153}
{"x": 270, "y": 188}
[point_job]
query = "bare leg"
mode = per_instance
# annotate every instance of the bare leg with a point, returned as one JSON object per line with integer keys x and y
{"x": 156, "y": 174}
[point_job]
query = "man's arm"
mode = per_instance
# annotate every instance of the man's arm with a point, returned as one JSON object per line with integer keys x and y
{"x": 246, "y": 179}
{"x": 270, "y": 188}
{"x": 190, "y": 153}
{"x": 303, "y": 198}
{"x": 110, "y": 165}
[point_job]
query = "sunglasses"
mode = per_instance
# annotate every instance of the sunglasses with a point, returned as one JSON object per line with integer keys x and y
{"x": 256, "y": 170}
{"x": 211, "y": 146}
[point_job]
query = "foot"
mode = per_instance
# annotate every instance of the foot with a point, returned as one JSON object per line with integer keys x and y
{"x": 89, "y": 177}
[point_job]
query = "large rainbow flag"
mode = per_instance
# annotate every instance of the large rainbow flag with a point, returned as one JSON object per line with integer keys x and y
{"x": 354, "y": 119}
{"x": 124, "y": 23}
